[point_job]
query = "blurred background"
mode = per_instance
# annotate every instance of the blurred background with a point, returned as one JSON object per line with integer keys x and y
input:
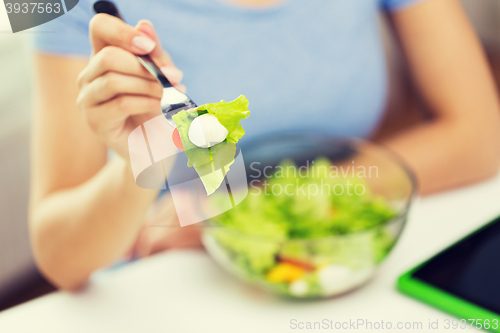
{"x": 19, "y": 279}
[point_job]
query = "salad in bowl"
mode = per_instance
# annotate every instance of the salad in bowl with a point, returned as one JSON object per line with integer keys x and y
{"x": 321, "y": 214}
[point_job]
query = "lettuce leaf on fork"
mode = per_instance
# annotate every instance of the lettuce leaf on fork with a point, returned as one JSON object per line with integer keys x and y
{"x": 213, "y": 163}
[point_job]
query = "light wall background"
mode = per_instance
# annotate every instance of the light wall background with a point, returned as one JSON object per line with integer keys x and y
{"x": 16, "y": 263}
{"x": 16, "y": 103}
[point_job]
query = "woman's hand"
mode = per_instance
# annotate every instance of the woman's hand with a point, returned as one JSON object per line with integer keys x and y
{"x": 116, "y": 93}
{"x": 162, "y": 231}
{"x": 86, "y": 211}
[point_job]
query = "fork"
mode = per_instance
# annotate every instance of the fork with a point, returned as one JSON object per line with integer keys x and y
{"x": 172, "y": 100}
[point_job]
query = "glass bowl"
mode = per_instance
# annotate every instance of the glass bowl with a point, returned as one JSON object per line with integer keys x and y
{"x": 312, "y": 241}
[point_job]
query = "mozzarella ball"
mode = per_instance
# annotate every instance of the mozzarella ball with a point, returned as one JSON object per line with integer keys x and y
{"x": 206, "y": 131}
{"x": 299, "y": 288}
{"x": 335, "y": 279}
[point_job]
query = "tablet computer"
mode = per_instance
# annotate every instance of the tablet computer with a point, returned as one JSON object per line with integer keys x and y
{"x": 463, "y": 280}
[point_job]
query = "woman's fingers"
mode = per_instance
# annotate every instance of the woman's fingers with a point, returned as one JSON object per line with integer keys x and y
{"x": 111, "y": 115}
{"x": 176, "y": 238}
{"x": 163, "y": 231}
{"x": 112, "y": 84}
{"x": 154, "y": 239}
{"x": 159, "y": 55}
{"x": 115, "y": 59}
{"x": 108, "y": 30}
{"x": 112, "y": 59}
{"x": 180, "y": 87}
{"x": 117, "y": 93}
{"x": 143, "y": 245}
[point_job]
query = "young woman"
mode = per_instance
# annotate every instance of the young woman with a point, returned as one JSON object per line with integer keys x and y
{"x": 303, "y": 64}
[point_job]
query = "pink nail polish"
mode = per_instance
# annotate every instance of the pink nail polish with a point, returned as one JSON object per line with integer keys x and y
{"x": 180, "y": 87}
{"x": 172, "y": 73}
{"x": 147, "y": 28}
{"x": 143, "y": 44}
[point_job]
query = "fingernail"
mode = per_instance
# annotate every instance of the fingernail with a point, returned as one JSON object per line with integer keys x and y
{"x": 146, "y": 27}
{"x": 180, "y": 87}
{"x": 172, "y": 73}
{"x": 143, "y": 44}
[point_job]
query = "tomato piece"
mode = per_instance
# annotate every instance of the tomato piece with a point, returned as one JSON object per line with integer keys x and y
{"x": 176, "y": 138}
{"x": 296, "y": 262}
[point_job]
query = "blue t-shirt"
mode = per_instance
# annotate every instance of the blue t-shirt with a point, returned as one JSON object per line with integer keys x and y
{"x": 316, "y": 64}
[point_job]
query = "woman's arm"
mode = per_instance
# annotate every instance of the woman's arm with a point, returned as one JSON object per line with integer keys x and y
{"x": 462, "y": 142}
{"x": 84, "y": 213}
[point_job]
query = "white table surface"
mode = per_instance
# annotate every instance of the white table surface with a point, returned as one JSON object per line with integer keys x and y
{"x": 184, "y": 291}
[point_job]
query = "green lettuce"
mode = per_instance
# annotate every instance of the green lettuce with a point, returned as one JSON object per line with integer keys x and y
{"x": 306, "y": 214}
{"x": 212, "y": 164}
{"x": 279, "y": 218}
{"x": 267, "y": 228}
{"x": 229, "y": 115}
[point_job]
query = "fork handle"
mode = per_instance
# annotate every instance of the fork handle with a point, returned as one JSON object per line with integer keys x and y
{"x": 108, "y": 7}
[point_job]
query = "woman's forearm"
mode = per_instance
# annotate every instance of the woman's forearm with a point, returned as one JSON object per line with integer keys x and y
{"x": 79, "y": 230}
{"x": 450, "y": 69}
{"x": 445, "y": 153}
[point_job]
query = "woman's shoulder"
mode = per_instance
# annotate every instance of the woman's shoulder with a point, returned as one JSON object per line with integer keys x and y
{"x": 66, "y": 34}
{"x": 392, "y": 5}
